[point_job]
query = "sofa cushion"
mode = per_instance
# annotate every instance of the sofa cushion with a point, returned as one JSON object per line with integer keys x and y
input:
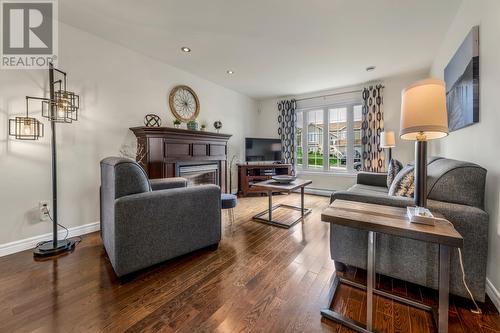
{"x": 368, "y": 189}
{"x": 167, "y": 183}
{"x": 394, "y": 167}
{"x": 404, "y": 183}
{"x": 372, "y": 178}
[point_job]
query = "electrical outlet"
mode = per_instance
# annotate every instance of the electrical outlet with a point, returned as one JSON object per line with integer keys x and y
{"x": 44, "y": 210}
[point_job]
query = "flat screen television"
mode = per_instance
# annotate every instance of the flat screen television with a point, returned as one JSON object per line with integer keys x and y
{"x": 262, "y": 150}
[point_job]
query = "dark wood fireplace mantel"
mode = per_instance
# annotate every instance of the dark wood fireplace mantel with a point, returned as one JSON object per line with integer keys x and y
{"x": 161, "y": 150}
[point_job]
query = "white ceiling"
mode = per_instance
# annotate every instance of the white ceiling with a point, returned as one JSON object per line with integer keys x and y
{"x": 275, "y": 47}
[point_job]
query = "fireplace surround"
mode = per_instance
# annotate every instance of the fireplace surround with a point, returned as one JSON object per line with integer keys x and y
{"x": 172, "y": 152}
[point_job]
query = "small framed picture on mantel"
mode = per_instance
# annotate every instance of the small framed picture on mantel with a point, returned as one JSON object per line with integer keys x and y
{"x": 462, "y": 83}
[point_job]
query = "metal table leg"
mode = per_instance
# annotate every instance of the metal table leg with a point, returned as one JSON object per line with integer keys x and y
{"x": 444, "y": 278}
{"x": 370, "y": 279}
{"x": 269, "y": 212}
{"x": 302, "y": 201}
{"x": 444, "y": 285}
{"x": 270, "y": 196}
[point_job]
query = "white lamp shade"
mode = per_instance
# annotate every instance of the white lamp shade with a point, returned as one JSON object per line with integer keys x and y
{"x": 387, "y": 139}
{"x": 423, "y": 111}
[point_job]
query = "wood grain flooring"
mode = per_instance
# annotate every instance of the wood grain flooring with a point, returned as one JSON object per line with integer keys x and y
{"x": 260, "y": 279}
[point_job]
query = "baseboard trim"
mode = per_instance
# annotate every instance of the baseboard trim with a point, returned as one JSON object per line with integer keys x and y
{"x": 493, "y": 293}
{"x": 29, "y": 243}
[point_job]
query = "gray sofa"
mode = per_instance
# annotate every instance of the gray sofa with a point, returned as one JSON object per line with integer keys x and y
{"x": 146, "y": 222}
{"x": 455, "y": 189}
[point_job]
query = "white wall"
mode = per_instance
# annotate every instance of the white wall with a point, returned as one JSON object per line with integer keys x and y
{"x": 404, "y": 150}
{"x": 267, "y": 125}
{"x": 117, "y": 88}
{"x": 479, "y": 143}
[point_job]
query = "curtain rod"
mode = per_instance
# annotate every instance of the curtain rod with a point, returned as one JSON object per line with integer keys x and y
{"x": 334, "y": 94}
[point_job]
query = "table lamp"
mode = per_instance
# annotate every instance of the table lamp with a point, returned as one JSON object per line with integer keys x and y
{"x": 423, "y": 118}
{"x": 388, "y": 141}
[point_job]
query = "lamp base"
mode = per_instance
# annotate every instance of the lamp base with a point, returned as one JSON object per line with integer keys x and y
{"x": 48, "y": 249}
{"x": 421, "y": 173}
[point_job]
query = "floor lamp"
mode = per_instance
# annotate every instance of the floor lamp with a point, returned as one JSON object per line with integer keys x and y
{"x": 388, "y": 141}
{"x": 61, "y": 107}
{"x": 423, "y": 118}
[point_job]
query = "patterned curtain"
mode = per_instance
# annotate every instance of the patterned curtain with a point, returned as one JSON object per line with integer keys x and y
{"x": 372, "y": 126}
{"x": 286, "y": 130}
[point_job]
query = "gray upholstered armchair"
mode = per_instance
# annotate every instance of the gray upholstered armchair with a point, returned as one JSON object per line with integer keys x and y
{"x": 146, "y": 222}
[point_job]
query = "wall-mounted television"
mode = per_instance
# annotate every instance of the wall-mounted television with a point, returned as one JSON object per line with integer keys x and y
{"x": 262, "y": 150}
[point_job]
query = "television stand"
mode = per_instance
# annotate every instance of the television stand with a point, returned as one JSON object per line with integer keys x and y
{"x": 248, "y": 174}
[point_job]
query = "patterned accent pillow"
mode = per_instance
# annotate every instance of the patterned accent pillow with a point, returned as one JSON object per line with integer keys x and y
{"x": 394, "y": 167}
{"x": 404, "y": 183}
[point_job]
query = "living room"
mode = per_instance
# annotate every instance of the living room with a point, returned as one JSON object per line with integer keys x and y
{"x": 141, "y": 105}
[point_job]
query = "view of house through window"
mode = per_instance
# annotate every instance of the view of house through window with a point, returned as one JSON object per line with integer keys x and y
{"x": 298, "y": 139}
{"x": 315, "y": 139}
{"x": 330, "y": 137}
{"x": 337, "y": 137}
{"x": 358, "y": 146}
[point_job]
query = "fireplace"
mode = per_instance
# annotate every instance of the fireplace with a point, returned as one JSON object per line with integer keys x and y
{"x": 199, "y": 174}
{"x": 167, "y": 152}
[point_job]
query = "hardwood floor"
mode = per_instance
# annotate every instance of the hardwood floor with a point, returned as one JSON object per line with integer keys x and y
{"x": 261, "y": 279}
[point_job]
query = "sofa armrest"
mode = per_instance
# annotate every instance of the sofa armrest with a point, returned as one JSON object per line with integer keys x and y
{"x": 472, "y": 223}
{"x": 152, "y": 226}
{"x": 167, "y": 183}
{"x": 378, "y": 199}
{"x": 372, "y": 179}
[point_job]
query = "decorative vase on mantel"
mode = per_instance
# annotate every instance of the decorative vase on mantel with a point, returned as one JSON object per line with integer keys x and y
{"x": 192, "y": 125}
{"x": 177, "y": 123}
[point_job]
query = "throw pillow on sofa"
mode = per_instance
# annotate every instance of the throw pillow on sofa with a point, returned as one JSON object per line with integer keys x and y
{"x": 404, "y": 183}
{"x": 394, "y": 167}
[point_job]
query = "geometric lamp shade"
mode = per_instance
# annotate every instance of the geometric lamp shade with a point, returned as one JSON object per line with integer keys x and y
{"x": 25, "y": 128}
{"x": 69, "y": 102}
{"x": 64, "y": 107}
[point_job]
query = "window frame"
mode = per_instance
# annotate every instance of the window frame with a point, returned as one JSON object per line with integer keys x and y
{"x": 350, "y": 151}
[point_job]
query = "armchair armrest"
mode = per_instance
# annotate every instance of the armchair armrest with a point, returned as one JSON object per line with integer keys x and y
{"x": 372, "y": 178}
{"x": 167, "y": 183}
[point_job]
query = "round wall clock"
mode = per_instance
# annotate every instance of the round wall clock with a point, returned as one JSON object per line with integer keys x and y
{"x": 184, "y": 103}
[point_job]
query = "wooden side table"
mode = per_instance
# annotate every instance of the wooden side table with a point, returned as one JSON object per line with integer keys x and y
{"x": 391, "y": 221}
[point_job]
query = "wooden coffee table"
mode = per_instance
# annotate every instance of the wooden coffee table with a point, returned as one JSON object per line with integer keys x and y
{"x": 391, "y": 221}
{"x": 271, "y": 186}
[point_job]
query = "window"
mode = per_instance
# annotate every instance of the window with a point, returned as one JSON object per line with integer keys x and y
{"x": 330, "y": 137}
{"x": 315, "y": 139}
{"x": 298, "y": 139}
{"x": 358, "y": 146}
{"x": 337, "y": 132}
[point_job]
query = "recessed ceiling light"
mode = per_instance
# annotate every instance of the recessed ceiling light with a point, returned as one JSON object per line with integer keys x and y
{"x": 230, "y": 72}
{"x": 185, "y": 49}
{"x": 370, "y": 68}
